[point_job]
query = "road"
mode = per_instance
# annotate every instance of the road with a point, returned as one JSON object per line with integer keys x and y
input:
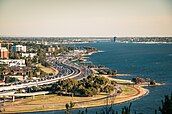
{"x": 73, "y": 70}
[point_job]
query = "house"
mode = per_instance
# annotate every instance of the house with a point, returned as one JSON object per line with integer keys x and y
{"x": 2, "y": 82}
{"x": 20, "y": 70}
{"x": 5, "y": 72}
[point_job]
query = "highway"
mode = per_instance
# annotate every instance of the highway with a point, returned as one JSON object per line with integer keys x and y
{"x": 66, "y": 71}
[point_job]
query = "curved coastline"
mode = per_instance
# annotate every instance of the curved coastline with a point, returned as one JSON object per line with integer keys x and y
{"x": 119, "y": 99}
{"x": 140, "y": 92}
{"x": 136, "y": 98}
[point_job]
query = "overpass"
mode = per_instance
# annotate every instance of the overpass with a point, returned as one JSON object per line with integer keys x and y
{"x": 44, "y": 82}
{"x": 23, "y": 94}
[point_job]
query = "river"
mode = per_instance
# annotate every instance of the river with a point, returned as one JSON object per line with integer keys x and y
{"x": 140, "y": 60}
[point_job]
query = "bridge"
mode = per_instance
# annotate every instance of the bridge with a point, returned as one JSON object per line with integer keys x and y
{"x": 33, "y": 94}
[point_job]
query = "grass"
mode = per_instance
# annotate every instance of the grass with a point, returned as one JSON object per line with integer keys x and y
{"x": 50, "y": 99}
{"x": 46, "y": 69}
{"x": 48, "y": 102}
{"x": 54, "y": 102}
{"x": 128, "y": 90}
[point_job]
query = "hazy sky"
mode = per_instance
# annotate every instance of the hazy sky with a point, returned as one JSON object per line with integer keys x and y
{"x": 86, "y": 18}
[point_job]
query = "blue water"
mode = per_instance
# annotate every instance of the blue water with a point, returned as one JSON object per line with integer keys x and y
{"x": 140, "y": 60}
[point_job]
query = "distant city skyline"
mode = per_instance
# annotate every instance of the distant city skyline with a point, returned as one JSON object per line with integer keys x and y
{"x": 85, "y": 18}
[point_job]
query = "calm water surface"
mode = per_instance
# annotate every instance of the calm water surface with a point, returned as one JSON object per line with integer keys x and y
{"x": 140, "y": 60}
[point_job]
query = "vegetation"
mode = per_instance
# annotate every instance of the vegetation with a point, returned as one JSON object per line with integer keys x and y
{"x": 2, "y": 67}
{"x": 92, "y": 85}
{"x": 69, "y": 107}
{"x": 166, "y": 105}
{"x": 10, "y": 79}
{"x": 46, "y": 69}
{"x": 143, "y": 80}
{"x": 107, "y": 71}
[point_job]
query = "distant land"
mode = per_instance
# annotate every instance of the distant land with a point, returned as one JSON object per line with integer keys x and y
{"x": 2, "y": 37}
{"x": 143, "y": 39}
{"x": 65, "y": 40}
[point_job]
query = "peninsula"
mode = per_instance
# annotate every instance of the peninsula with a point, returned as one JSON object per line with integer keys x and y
{"x": 57, "y": 75}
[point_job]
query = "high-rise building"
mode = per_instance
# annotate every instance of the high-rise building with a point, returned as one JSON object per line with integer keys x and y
{"x": 114, "y": 39}
{"x": 19, "y": 48}
{"x": 4, "y": 52}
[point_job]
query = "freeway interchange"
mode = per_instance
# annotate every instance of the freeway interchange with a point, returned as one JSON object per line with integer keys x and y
{"x": 65, "y": 70}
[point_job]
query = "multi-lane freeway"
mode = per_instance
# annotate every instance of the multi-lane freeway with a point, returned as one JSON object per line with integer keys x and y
{"x": 66, "y": 70}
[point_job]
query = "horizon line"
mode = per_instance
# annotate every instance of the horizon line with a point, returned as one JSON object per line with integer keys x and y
{"x": 83, "y": 36}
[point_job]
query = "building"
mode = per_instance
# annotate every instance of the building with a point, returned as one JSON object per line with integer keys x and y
{"x": 28, "y": 54}
{"x": 19, "y": 48}
{"x": 2, "y": 82}
{"x": 51, "y": 49}
{"x": 4, "y": 53}
{"x": 114, "y": 39}
{"x": 13, "y": 62}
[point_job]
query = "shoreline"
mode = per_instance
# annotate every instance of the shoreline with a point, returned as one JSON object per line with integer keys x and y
{"x": 85, "y": 56}
{"x": 124, "y": 75}
{"x": 139, "y": 91}
{"x": 98, "y": 51}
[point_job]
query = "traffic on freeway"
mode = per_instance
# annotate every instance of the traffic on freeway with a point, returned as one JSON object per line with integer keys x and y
{"x": 65, "y": 70}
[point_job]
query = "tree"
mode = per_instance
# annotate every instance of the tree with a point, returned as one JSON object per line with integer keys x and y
{"x": 12, "y": 55}
{"x": 10, "y": 79}
{"x": 31, "y": 75}
{"x": 108, "y": 88}
{"x": 34, "y": 73}
{"x": 126, "y": 110}
{"x": 1, "y": 75}
{"x": 17, "y": 55}
{"x": 34, "y": 88}
{"x": 28, "y": 61}
{"x": 113, "y": 82}
{"x": 42, "y": 74}
{"x": 69, "y": 107}
{"x": 152, "y": 82}
{"x": 166, "y": 105}
{"x": 35, "y": 59}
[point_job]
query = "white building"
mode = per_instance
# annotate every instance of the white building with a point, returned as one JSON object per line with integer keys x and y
{"x": 13, "y": 62}
{"x": 28, "y": 54}
{"x": 18, "y": 48}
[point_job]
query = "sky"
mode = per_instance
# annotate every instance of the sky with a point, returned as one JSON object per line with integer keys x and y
{"x": 85, "y": 18}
